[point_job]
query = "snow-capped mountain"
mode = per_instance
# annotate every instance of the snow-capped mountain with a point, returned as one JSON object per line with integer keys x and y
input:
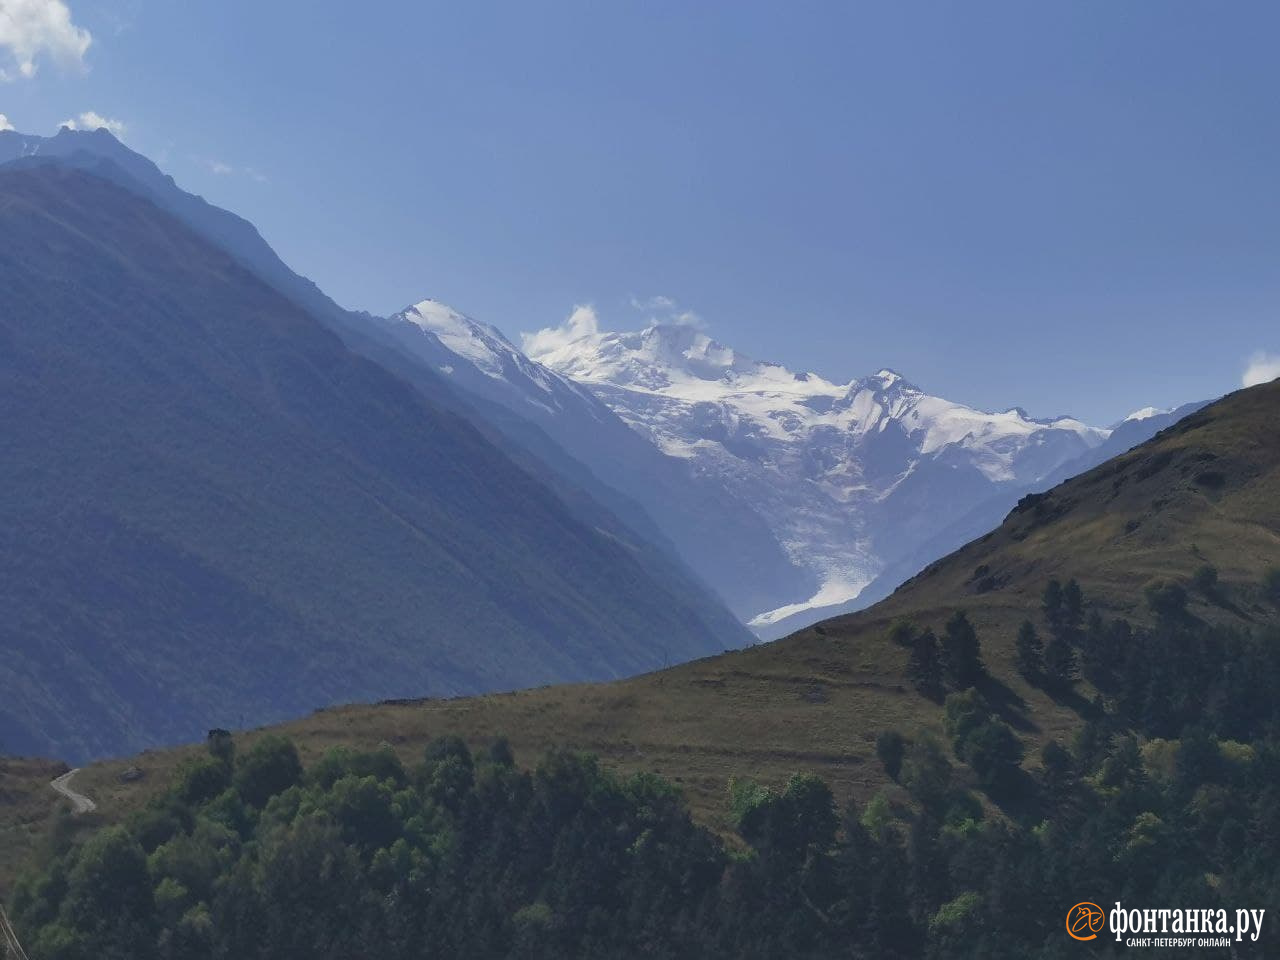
{"x": 712, "y": 528}
{"x": 846, "y": 477}
{"x": 849, "y": 476}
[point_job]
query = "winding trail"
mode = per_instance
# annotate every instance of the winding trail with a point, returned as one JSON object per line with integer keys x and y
{"x": 79, "y": 802}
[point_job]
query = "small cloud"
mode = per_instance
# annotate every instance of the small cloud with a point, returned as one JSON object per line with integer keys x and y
{"x": 4, "y": 123}
{"x": 583, "y": 322}
{"x": 685, "y": 318}
{"x": 220, "y": 169}
{"x": 653, "y": 303}
{"x": 30, "y": 29}
{"x": 1263, "y": 368}
{"x": 91, "y": 120}
{"x": 666, "y": 311}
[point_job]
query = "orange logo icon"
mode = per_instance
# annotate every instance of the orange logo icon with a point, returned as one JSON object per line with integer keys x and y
{"x": 1084, "y": 920}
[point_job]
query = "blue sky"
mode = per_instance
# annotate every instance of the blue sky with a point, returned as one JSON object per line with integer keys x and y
{"x": 1070, "y": 207}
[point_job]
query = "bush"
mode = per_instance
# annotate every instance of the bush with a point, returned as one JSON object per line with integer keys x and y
{"x": 903, "y": 633}
{"x": 994, "y": 752}
{"x": 201, "y": 779}
{"x": 271, "y": 767}
{"x": 964, "y": 712}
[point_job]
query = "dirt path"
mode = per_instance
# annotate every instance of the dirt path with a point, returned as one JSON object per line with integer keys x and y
{"x": 79, "y": 802}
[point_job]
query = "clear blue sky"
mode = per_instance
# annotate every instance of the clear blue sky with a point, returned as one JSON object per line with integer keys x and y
{"x": 1072, "y": 207}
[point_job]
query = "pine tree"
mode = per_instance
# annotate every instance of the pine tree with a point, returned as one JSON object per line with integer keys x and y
{"x": 1030, "y": 650}
{"x": 961, "y": 652}
{"x": 1093, "y": 647}
{"x": 1059, "y": 663}
{"x": 924, "y": 667}
{"x": 1072, "y": 606}
{"x": 1051, "y": 604}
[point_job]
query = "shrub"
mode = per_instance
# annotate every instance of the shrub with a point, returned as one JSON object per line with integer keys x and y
{"x": 994, "y": 752}
{"x": 271, "y": 767}
{"x": 903, "y": 633}
{"x": 964, "y": 712}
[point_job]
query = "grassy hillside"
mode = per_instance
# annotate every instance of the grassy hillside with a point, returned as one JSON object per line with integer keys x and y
{"x": 1205, "y": 491}
{"x": 212, "y": 513}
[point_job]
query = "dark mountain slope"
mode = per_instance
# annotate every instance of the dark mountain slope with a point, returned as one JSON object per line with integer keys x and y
{"x": 212, "y": 512}
{"x": 1206, "y": 491}
{"x": 586, "y": 490}
{"x": 97, "y": 151}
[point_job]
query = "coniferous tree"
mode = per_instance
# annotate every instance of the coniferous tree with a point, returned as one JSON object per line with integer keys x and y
{"x": 890, "y": 748}
{"x": 1059, "y": 663}
{"x": 1093, "y": 647}
{"x": 1051, "y": 604}
{"x": 1072, "y": 606}
{"x": 994, "y": 752}
{"x": 1030, "y": 651}
{"x": 1055, "y": 763}
{"x": 961, "y": 652}
{"x": 924, "y": 666}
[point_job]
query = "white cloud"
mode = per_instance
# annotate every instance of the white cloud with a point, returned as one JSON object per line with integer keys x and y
{"x": 30, "y": 29}
{"x": 90, "y": 120}
{"x": 220, "y": 169}
{"x": 1262, "y": 368}
{"x": 4, "y": 123}
{"x": 653, "y": 303}
{"x": 666, "y": 311}
{"x": 583, "y": 322}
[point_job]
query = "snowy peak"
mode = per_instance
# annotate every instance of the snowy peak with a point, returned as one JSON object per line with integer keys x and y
{"x": 843, "y": 472}
{"x": 482, "y": 344}
{"x": 478, "y": 357}
{"x": 680, "y": 362}
{"x": 847, "y": 476}
{"x": 1146, "y": 413}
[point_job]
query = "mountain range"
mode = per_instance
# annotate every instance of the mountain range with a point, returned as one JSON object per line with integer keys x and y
{"x": 633, "y": 498}
{"x": 857, "y": 485}
{"x": 211, "y": 510}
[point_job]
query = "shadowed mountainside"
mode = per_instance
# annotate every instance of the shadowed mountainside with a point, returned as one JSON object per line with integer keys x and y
{"x": 212, "y": 512}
